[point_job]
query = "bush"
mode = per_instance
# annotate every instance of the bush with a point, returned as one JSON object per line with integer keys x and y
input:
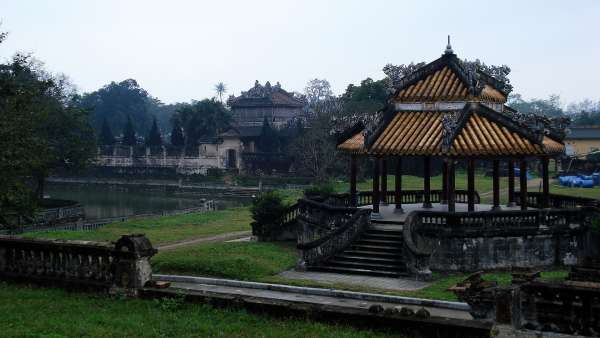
{"x": 322, "y": 190}
{"x": 267, "y": 211}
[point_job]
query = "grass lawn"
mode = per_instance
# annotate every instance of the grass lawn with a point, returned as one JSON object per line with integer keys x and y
{"x": 236, "y": 260}
{"x": 163, "y": 229}
{"x": 579, "y": 192}
{"x": 68, "y": 314}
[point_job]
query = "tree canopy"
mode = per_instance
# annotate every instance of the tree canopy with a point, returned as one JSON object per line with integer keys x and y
{"x": 206, "y": 118}
{"x": 177, "y": 138}
{"x": 129, "y": 137}
{"x": 107, "y": 137}
{"x": 154, "y": 139}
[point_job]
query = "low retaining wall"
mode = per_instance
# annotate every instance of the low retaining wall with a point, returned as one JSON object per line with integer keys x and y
{"x": 124, "y": 265}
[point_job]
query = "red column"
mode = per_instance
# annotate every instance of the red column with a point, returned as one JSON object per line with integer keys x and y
{"x": 511, "y": 183}
{"x": 376, "y": 187}
{"x": 353, "y": 172}
{"x": 426, "y": 182}
{"x": 471, "y": 185}
{"x": 384, "y": 197}
{"x": 523, "y": 183}
{"x": 496, "y": 184}
{"x": 398, "y": 186}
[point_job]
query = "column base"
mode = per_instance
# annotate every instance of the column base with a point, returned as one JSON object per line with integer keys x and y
{"x": 398, "y": 210}
{"x": 376, "y": 215}
{"x": 427, "y": 205}
{"x": 444, "y": 202}
{"x": 496, "y": 208}
{"x": 511, "y": 204}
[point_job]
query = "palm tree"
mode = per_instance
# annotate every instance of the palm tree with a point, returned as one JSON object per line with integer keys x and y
{"x": 221, "y": 89}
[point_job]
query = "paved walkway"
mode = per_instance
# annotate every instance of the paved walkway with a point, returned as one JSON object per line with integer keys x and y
{"x": 315, "y": 296}
{"x": 221, "y": 237}
{"x": 396, "y": 284}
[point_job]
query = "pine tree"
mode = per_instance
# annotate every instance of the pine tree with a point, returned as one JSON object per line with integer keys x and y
{"x": 269, "y": 140}
{"x": 177, "y": 138}
{"x": 154, "y": 139}
{"x": 106, "y": 136}
{"x": 129, "y": 133}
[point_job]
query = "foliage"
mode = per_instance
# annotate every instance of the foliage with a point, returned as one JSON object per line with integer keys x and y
{"x": 269, "y": 138}
{"x": 202, "y": 119}
{"x": 239, "y": 260}
{"x": 129, "y": 133}
{"x": 106, "y": 135}
{"x": 163, "y": 229}
{"x": 369, "y": 97}
{"x": 317, "y": 90}
{"x": 116, "y": 102}
{"x": 550, "y": 107}
{"x": 177, "y": 138}
{"x": 41, "y": 130}
{"x": 221, "y": 89}
{"x": 322, "y": 190}
{"x": 74, "y": 314}
{"x": 396, "y": 72}
{"x": 154, "y": 139}
{"x": 267, "y": 211}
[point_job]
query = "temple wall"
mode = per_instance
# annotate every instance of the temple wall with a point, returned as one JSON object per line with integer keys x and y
{"x": 485, "y": 253}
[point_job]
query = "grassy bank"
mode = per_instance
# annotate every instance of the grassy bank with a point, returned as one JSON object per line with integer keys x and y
{"x": 163, "y": 229}
{"x": 85, "y": 315}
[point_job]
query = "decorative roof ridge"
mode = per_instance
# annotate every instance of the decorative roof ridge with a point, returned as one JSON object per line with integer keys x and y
{"x": 373, "y": 129}
{"x": 453, "y": 123}
{"x": 347, "y": 133}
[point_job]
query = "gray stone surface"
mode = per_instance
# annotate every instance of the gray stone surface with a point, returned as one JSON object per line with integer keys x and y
{"x": 396, "y": 284}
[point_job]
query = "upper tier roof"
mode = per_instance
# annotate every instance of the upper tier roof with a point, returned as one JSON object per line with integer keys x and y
{"x": 265, "y": 96}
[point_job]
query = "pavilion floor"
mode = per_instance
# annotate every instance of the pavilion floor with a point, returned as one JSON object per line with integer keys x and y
{"x": 387, "y": 213}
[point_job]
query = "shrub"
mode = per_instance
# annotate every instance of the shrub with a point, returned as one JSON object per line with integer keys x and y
{"x": 322, "y": 190}
{"x": 267, "y": 211}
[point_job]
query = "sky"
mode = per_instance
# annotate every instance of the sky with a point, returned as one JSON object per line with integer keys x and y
{"x": 178, "y": 50}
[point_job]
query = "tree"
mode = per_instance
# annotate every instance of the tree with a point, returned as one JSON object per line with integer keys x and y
{"x": 317, "y": 90}
{"x": 221, "y": 89}
{"x": 177, "y": 138}
{"x": 369, "y": 97}
{"x": 106, "y": 136}
{"x": 550, "y": 107}
{"x": 268, "y": 140}
{"x": 154, "y": 139}
{"x": 206, "y": 118}
{"x": 115, "y": 102}
{"x": 42, "y": 129}
{"x": 129, "y": 133}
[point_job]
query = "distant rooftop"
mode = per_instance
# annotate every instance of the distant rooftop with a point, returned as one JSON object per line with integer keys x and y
{"x": 265, "y": 96}
{"x": 584, "y": 133}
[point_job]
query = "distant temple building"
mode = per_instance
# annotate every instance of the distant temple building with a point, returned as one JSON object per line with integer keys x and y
{"x": 277, "y": 105}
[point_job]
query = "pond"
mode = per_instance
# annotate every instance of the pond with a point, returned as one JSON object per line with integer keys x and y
{"x": 102, "y": 201}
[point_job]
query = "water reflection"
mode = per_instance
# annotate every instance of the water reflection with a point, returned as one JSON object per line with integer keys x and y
{"x": 101, "y": 201}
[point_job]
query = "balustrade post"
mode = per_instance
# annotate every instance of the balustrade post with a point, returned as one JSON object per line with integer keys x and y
{"x": 353, "y": 174}
{"x": 523, "y": 183}
{"x": 545, "y": 182}
{"x": 384, "y": 173}
{"x": 496, "y": 185}
{"x": 398, "y": 186}
{"x": 511, "y": 184}
{"x": 426, "y": 182}
{"x": 471, "y": 185}
{"x": 375, "y": 213}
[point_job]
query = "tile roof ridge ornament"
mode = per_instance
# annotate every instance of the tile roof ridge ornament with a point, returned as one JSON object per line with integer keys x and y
{"x": 448, "y": 47}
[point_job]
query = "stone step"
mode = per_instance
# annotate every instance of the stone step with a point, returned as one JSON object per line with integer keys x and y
{"x": 368, "y": 259}
{"x": 374, "y": 254}
{"x": 384, "y": 237}
{"x": 362, "y": 265}
{"x": 365, "y": 272}
{"x": 378, "y": 242}
{"x": 386, "y": 222}
{"x": 377, "y": 248}
{"x": 385, "y": 232}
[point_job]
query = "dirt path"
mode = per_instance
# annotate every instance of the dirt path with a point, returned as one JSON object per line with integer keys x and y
{"x": 217, "y": 238}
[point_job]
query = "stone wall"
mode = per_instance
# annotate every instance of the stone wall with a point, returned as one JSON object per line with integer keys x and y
{"x": 485, "y": 253}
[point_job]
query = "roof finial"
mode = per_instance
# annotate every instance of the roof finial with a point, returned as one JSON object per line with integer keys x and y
{"x": 449, "y": 47}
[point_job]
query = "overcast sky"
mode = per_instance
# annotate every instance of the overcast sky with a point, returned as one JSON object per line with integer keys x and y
{"x": 178, "y": 50}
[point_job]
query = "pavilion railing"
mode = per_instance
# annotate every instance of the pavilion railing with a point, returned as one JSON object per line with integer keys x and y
{"x": 408, "y": 197}
{"x": 327, "y": 230}
{"x": 534, "y": 200}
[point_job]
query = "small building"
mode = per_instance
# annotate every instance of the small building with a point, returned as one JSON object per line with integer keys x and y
{"x": 277, "y": 105}
{"x": 582, "y": 140}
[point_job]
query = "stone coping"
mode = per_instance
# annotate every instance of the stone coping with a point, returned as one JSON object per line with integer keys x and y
{"x": 372, "y": 297}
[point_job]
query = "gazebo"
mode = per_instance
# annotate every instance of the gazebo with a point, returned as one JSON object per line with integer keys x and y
{"x": 455, "y": 112}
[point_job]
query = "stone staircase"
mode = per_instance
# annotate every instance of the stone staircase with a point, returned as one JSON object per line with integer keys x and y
{"x": 378, "y": 252}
